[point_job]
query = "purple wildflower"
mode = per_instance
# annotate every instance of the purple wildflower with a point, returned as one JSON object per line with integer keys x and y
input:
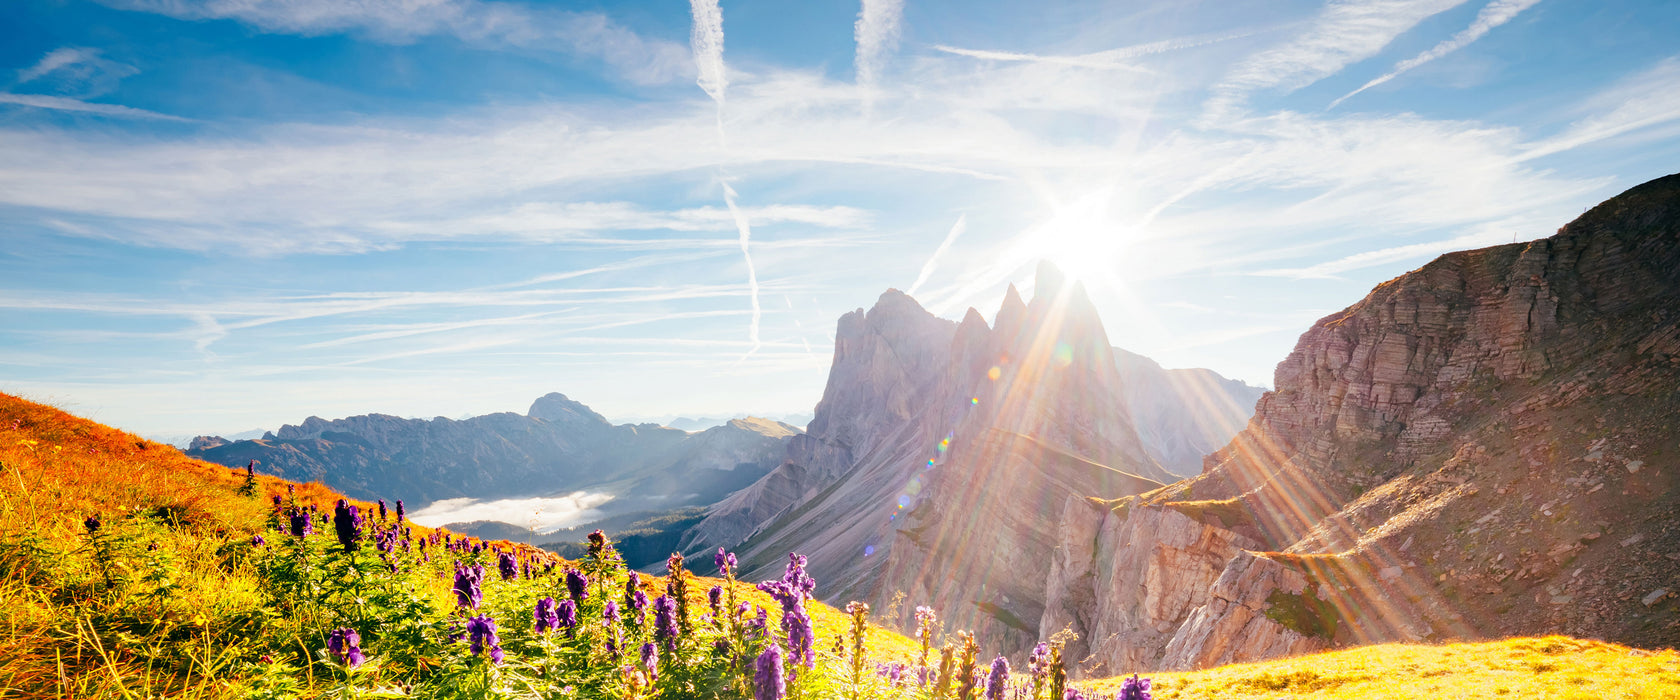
{"x": 258, "y": 541}
{"x": 714, "y": 595}
{"x": 638, "y": 605}
{"x": 577, "y": 584}
{"x": 1134, "y": 689}
{"x": 399, "y": 510}
{"x": 1072, "y": 694}
{"x": 547, "y": 619}
{"x": 650, "y": 660}
{"x": 725, "y": 562}
{"x": 665, "y": 621}
{"x": 347, "y": 521}
{"x": 302, "y": 525}
{"x": 468, "y": 580}
{"x": 508, "y": 566}
{"x": 761, "y": 623}
{"x": 346, "y": 646}
{"x": 999, "y": 680}
{"x": 610, "y": 614}
{"x": 381, "y": 510}
{"x": 482, "y": 630}
{"x": 801, "y": 639}
{"x": 568, "y": 616}
{"x": 768, "y": 682}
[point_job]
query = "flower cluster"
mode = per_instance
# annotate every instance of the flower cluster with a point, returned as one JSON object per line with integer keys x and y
{"x": 791, "y": 591}
{"x": 347, "y": 522}
{"x": 547, "y": 618}
{"x": 346, "y": 647}
{"x": 482, "y": 630}
{"x": 469, "y": 580}
{"x": 1134, "y": 689}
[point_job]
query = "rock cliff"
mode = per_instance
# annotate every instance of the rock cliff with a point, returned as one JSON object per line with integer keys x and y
{"x": 928, "y": 427}
{"x": 1481, "y": 447}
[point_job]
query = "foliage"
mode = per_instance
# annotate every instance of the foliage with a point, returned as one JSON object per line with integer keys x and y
{"x": 129, "y": 570}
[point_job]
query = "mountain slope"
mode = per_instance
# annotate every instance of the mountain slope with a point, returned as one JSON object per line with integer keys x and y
{"x": 1481, "y": 447}
{"x": 927, "y": 427}
{"x": 1182, "y": 414}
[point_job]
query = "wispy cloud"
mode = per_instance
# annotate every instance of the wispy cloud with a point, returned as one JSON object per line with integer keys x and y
{"x": 933, "y": 260}
{"x": 1647, "y": 99}
{"x": 1494, "y": 14}
{"x": 1344, "y": 32}
{"x": 67, "y": 104}
{"x": 1119, "y": 58}
{"x": 1480, "y": 237}
{"x": 876, "y": 33}
{"x": 56, "y": 59}
{"x": 75, "y": 71}
{"x": 588, "y": 34}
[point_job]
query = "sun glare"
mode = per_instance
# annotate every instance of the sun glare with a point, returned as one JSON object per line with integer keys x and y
{"x": 1081, "y": 239}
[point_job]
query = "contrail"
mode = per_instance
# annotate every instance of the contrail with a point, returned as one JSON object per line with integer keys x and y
{"x": 933, "y": 261}
{"x": 876, "y": 34}
{"x": 1109, "y": 59}
{"x": 752, "y": 276}
{"x": 707, "y": 41}
{"x": 1494, "y": 14}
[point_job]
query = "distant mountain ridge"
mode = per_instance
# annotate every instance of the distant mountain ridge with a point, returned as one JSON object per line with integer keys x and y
{"x": 559, "y": 445}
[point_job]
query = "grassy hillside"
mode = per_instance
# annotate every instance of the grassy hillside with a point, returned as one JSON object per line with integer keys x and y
{"x": 172, "y": 595}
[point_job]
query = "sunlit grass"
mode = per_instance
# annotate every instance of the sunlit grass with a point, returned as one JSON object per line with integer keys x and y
{"x": 177, "y": 604}
{"x": 1524, "y": 667}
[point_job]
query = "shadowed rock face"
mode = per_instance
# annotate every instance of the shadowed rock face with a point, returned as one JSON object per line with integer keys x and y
{"x": 1014, "y": 418}
{"x": 1484, "y": 446}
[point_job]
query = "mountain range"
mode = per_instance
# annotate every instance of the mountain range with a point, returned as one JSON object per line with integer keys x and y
{"x": 1481, "y": 447}
{"x": 558, "y": 446}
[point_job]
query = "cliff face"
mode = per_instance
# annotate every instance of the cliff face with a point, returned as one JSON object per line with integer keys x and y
{"x": 1484, "y": 446}
{"x": 941, "y": 455}
{"x": 559, "y": 444}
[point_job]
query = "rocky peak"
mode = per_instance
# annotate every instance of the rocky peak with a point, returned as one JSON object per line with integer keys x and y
{"x": 1010, "y": 316}
{"x": 205, "y": 442}
{"x": 556, "y": 408}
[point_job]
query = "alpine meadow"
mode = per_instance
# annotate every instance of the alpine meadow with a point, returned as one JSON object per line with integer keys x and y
{"x": 839, "y": 350}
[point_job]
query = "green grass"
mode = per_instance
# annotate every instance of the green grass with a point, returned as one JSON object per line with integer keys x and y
{"x": 170, "y": 598}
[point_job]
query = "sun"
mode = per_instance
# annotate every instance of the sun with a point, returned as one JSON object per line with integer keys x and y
{"x": 1081, "y": 239}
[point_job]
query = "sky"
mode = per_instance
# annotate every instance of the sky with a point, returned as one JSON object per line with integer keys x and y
{"x": 232, "y": 214}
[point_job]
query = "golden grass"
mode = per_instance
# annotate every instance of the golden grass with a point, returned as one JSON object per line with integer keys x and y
{"x": 1523, "y": 667}
{"x": 65, "y": 633}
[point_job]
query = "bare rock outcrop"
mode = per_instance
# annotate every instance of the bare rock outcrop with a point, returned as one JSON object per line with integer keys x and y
{"x": 1237, "y": 622}
{"x": 1127, "y": 582}
{"x": 1480, "y": 447}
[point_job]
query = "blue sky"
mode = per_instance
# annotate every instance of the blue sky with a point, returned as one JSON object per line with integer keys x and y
{"x": 231, "y": 214}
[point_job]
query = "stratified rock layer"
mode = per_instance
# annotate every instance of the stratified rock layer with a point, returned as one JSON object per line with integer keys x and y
{"x": 1481, "y": 447}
